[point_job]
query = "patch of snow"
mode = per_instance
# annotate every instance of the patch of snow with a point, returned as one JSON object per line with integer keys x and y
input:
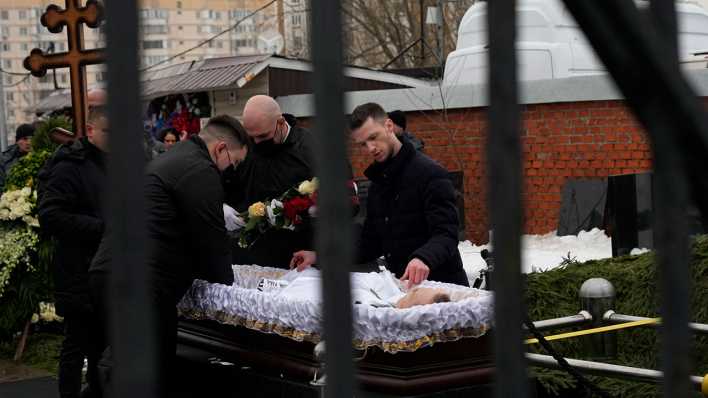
{"x": 543, "y": 252}
{"x": 637, "y": 251}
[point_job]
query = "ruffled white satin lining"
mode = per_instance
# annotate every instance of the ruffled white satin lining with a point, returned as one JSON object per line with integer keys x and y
{"x": 377, "y": 326}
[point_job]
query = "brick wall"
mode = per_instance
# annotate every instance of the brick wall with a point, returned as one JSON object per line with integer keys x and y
{"x": 559, "y": 141}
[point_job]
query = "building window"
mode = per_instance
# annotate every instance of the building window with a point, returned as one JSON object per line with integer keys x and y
{"x": 4, "y": 15}
{"x": 23, "y": 14}
{"x": 153, "y": 14}
{"x": 296, "y": 19}
{"x": 179, "y": 4}
{"x": 154, "y": 29}
{"x": 150, "y": 44}
{"x": 23, "y": 31}
{"x": 7, "y": 63}
{"x": 10, "y": 96}
{"x": 6, "y": 46}
{"x": 25, "y": 47}
{"x": 5, "y": 30}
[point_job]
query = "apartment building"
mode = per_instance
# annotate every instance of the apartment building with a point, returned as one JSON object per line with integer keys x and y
{"x": 169, "y": 28}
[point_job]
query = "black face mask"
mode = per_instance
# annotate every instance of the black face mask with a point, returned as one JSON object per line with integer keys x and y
{"x": 266, "y": 147}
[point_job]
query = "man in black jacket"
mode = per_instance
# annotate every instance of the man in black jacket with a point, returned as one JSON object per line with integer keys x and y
{"x": 71, "y": 189}
{"x": 21, "y": 147}
{"x": 281, "y": 159}
{"x": 411, "y": 215}
{"x": 186, "y": 236}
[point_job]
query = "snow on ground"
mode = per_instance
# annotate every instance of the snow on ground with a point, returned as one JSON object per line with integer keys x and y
{"x": 544, "y": 252}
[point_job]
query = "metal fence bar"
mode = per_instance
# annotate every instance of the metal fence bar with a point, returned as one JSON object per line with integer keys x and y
{"x": 334, "y": 232}
{"x": 615, "y": 318}
{"x": 132, "y": 341}
{"x": 609, "y": 370}
{"x": 676, "y": 122}
{"x": 567, "y": 321}
{"x": 504, "y": 182}
{"x": 671, "y": 226}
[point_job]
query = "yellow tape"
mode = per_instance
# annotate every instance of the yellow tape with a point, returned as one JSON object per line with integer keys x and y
{"x": 601, "y": 330}
{"x": 704, "y": 386}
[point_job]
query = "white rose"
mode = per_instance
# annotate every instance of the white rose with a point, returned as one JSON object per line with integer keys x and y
{"x": 26, "y": 192}
{"x": 4, "y": 214}
{"x": 307, "y": 187}
{"x": 35, "y": 318}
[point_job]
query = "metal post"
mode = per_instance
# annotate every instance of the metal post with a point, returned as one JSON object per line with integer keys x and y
{"x": 132, "y": 327}
{"x": 504, "y": 200}
{"x": 334, "y": 232}
{"x": 597, "y": 296}
{"x": 3, "y": 120}
{"x": 441, "y": 36}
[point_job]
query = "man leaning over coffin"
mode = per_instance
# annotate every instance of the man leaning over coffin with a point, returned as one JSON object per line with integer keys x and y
{"x": 411, "y": 217}
{"x": 281, "y": 158}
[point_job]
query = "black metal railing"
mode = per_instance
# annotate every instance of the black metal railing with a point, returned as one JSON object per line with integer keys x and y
{"x": 640, "y": 55}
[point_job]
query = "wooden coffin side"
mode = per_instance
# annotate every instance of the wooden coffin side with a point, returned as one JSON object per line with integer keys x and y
{"x": 443, "y": 366}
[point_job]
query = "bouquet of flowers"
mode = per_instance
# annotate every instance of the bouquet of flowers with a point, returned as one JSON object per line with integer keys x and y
{"x": 297, "y": 206}
{"x": 19, "y": 205}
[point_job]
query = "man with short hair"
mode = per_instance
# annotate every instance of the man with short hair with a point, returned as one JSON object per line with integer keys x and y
{"x": 21, "y": 147}
{"x": 281, "y": 158}
{"x": 411, "y": 217}
{"x": 72, "y": 184}
{"x": 186, "y": 236}
{"x": 399, "y": 128}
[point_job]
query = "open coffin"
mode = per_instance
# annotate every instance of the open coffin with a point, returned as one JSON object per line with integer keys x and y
{"x": 401, "y": 351}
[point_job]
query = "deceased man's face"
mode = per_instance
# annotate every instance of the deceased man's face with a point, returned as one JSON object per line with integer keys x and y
{"x": 423, "y": 296}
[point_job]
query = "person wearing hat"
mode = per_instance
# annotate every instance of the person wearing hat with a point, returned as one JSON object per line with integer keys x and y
{"x": 21, "y": 147}
{"x": 399, "y": 128}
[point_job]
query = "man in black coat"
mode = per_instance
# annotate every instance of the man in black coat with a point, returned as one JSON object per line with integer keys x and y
{"x": 71, "y": 188}
{"x": 21, "y": 147}
{"x": 281, "y": 159}
{"x": 186, "y": 236}
{"x": 411, "y": 215}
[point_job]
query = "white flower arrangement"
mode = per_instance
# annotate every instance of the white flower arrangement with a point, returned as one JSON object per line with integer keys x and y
{"x": 19, "y": 205}
{"x": 16, "y": 245}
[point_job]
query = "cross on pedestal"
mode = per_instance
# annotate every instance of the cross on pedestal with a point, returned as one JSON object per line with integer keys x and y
{"x": 76, "y": 58}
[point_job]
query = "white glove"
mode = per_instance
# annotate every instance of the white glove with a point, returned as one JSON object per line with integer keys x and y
{"x": 232, "y": 220}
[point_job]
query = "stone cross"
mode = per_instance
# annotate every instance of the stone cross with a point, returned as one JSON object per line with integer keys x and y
{"x": 76, "y": 59}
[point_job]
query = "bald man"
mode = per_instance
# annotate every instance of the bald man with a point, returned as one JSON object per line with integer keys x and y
{"x": 280, "y": 158}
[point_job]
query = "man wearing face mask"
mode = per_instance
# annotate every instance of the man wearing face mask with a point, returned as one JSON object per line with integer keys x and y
{"x": 281, "y": 158}
{"x": 186, "y": 237}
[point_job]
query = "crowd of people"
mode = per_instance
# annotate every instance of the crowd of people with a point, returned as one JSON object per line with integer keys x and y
{"x": 192, "y": 187}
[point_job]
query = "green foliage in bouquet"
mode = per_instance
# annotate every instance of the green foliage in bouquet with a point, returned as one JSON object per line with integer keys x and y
{"x": 42, "y": 138}
{"x": 554, "y": 294}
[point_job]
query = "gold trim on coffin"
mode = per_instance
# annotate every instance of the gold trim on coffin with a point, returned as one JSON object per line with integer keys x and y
{"x": 391, "y": 347}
